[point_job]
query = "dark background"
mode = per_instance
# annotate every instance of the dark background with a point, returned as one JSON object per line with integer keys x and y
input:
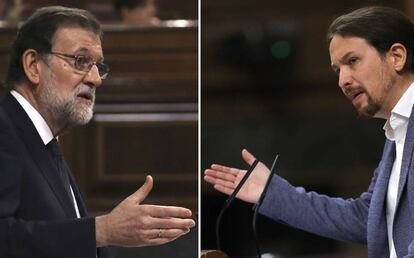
{"x": 146, "y": 114}
{"x": 267, "y": 86}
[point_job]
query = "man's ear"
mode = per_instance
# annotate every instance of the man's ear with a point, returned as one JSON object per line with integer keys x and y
{"x": 30, "y": 61}
{"x": 398, "y": 53}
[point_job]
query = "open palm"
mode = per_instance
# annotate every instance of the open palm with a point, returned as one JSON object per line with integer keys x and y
{"x": 225, "y": 179}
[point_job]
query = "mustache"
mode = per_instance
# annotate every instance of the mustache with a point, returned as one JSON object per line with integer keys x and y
{"x": 86, "y": 90}
{"x": 350, "y": 92}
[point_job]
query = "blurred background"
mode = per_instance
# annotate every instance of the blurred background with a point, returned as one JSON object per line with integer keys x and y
{"x": 267, "y": 86}
{"x": 146, "y": 115}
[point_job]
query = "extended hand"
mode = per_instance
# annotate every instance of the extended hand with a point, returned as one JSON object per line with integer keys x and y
{"x": 225, "y": 179}
{"x": 134, "y": 224}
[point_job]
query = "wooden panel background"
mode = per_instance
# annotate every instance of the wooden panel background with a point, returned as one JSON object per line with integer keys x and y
{"x": 145, "y": 122}
{"x": 105, "y": 10}
{"x": 146, "y": 117}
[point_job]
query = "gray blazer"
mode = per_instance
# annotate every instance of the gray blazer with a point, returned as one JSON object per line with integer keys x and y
{"x": 359, "y": 220}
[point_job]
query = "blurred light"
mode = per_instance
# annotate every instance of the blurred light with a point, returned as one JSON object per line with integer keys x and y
{"x": 180, "y": 23}
{"x": 269, "y": 255}
{"x": 281, "y": 49}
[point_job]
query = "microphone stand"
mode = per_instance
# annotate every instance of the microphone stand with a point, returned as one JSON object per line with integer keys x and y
{"x": 230, "y": 200}
{"x": 259, "y": 203}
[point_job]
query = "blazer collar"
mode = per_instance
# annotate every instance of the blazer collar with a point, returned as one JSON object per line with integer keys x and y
{"x": 38, "y": 151}
{"x": 407, "y": 155}
{"x": 377, "y": 224}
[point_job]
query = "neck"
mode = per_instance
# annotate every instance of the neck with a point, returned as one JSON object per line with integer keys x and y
{"x": 28, "y": 92}
{"x": 399, "y": 87}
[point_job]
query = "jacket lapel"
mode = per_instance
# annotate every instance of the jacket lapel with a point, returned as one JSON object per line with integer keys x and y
{"x": 377, "y": 223}
{"x": 38, "y": 151}
{"x": 407, "y": 156}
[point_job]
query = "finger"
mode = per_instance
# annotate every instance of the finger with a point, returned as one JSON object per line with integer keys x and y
{"x": 172, "y": 223}
{"x": 174, "y": 233}
{"x": 171, "y": 233}
{"x": 220, "y": 175}
{"x": 218, "y": 181}
{"x": 166, "y": 237}
{"x": 143, "y": 191}
{"x": 248, "y": 157}
{"x": 168, "y": 211}
{"x": 210, "y": 179}
{"x": 224, "y": 189}
{"x": 221, "y": 168}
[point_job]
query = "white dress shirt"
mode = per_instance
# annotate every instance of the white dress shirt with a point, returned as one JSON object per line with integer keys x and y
{"x": 42, "y": 128}
{"x": 396, "y": 130}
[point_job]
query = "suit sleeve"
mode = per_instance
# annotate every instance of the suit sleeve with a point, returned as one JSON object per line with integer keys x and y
{"x": 21, "y": 238}
{"x": 336, "y": 218}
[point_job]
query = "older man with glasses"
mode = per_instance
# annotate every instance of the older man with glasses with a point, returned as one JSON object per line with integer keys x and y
{"x": 56, "y": 65}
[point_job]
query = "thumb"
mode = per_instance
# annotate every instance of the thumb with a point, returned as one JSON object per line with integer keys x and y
{"x": 143, "y": 191}
{"x": 248, "y": 157}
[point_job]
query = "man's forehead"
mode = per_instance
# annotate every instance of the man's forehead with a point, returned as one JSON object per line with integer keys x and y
{"x": 77, "y": 39}
{"x": 341, "y": 45}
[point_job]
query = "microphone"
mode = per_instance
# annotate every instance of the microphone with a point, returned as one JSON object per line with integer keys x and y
{"x": 259, "y": 203}
{"x": 230, "y": 200}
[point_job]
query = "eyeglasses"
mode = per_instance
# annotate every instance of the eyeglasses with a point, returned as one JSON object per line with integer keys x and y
{"x": 85, "y": 64}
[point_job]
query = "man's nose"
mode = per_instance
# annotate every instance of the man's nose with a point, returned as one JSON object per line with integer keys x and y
{"x": 92, "y": 78}
{"x": 345, "y": 79}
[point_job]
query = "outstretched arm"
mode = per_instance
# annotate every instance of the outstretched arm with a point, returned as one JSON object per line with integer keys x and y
{"x": 320, "y": 214}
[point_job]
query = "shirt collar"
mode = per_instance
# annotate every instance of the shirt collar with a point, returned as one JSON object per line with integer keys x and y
{"x": 405, "y": 104}
{"x": 38, "y": 121}
{"x": 395, "y": 126}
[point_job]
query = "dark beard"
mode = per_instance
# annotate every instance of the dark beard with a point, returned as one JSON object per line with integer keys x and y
{"x": 371, "y": 109}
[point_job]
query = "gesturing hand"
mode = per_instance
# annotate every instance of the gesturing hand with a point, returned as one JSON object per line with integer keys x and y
{"x": 134, "y": 224}
{"x": 225, "y": 179}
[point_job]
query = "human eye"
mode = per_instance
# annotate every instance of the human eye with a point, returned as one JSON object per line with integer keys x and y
{"x": 83, "y": 63}
{"x": 352, "y": 60}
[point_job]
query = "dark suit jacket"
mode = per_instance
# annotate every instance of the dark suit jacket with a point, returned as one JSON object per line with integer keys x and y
{"x": 37, "y": 218}
{"x": 359, "y": 220}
